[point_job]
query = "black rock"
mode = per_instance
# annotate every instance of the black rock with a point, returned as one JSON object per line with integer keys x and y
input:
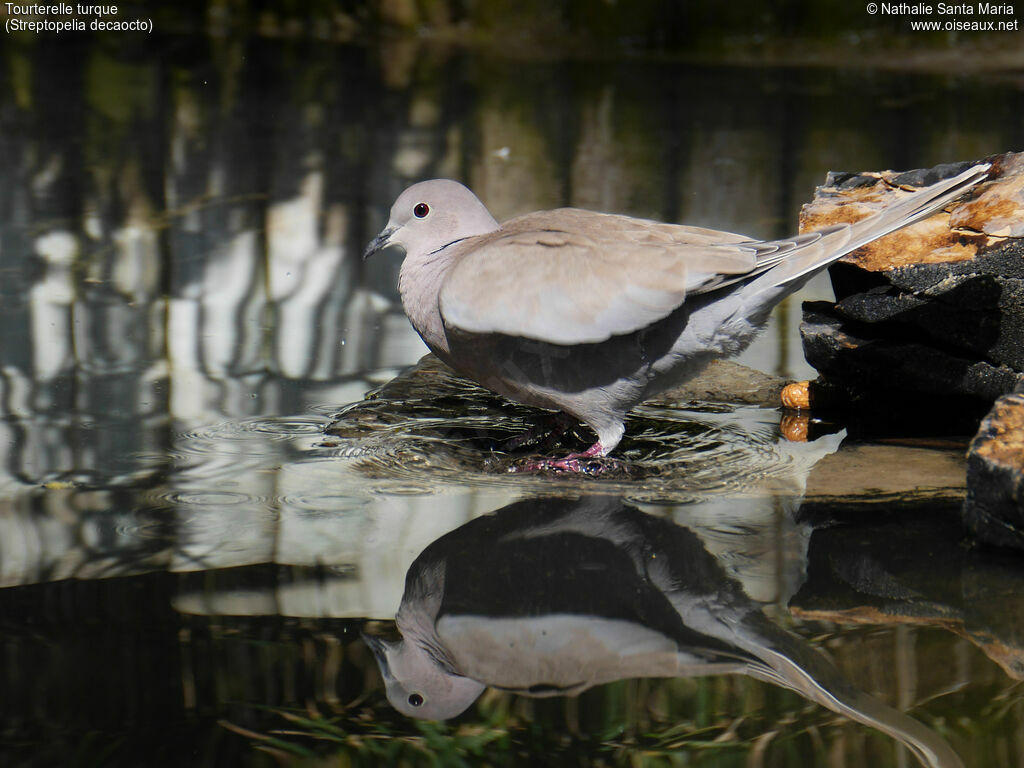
{"x": 925, "y": 177}
{"x": 846, "y": 180}
{"x": 974, "y": 329}
{"x": 852, "y": 357}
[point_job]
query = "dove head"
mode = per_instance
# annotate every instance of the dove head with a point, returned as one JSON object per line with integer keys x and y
{"x": 417, "y": 685}
{"x": 431, "y": 215}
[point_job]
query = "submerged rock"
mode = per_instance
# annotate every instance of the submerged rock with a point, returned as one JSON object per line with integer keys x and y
{"x": 880, "y": 475}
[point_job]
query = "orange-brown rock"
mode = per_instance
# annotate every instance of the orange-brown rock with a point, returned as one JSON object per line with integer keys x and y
{"x": 994, "y": 508}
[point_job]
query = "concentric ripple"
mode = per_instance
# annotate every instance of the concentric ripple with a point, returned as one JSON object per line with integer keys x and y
{"x": 667, "y": 453}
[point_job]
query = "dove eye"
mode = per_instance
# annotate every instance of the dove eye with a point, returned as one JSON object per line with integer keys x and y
{"x": 415, "y": 699}
{"x": 421, "y": 210}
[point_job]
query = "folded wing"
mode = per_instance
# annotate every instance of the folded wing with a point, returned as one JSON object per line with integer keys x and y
{"x": 575, "y": 277}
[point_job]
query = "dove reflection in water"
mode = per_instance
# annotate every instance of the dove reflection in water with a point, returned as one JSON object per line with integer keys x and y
{"x": 551, "y": 597}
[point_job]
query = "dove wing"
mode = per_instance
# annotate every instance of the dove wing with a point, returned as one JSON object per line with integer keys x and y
{"x": 576, "y": 277}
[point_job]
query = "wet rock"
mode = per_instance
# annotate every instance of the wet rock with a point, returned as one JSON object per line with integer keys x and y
{"x": 994, "y": 507}
{"x": 726, "y": 382}
{"x": 929, "y": 319}
{"x": 975, "y": 307}
{"x": 871, "y": 475}
{"x": 855, "y": 357}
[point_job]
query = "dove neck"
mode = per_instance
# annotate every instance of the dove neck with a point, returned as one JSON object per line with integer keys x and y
{"x": 419, "y": 284}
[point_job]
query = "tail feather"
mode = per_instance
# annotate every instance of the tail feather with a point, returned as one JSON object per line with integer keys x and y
{"x": 836, "y": 242}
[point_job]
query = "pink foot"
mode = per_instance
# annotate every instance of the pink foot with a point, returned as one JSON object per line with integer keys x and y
{"x": 570, "y": 463}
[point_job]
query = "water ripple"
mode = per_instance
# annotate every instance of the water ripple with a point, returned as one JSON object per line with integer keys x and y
{"x": 212, "y": 498}
{"x": 425, "y": 434}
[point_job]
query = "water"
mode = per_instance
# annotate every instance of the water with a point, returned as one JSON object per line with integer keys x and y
{"x": 188, "y": 556}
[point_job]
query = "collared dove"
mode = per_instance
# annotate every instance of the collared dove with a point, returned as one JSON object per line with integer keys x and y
{"x": 548, "y": 597}
{"x": 590, "y": 313}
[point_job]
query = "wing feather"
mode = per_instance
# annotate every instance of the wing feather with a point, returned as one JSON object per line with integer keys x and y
{"x": 574, "y": 277}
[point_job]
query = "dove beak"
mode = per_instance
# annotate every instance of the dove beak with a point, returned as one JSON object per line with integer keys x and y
{"x": 379, "y": 647}
{"x": 380, "y": 242}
